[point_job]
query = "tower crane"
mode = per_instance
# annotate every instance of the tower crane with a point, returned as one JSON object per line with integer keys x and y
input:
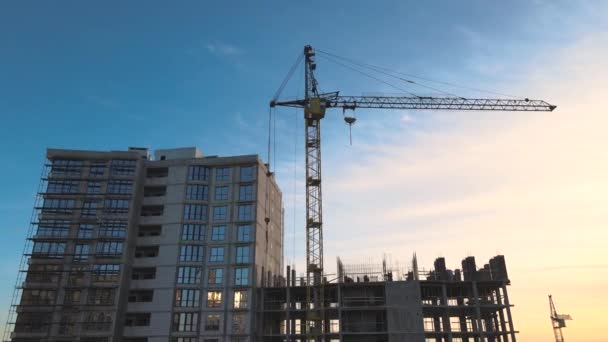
{"x": 315, "y": 105}
{"x": 558, "y": 321}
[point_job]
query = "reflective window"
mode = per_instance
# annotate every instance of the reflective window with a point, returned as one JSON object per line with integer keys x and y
{"x": 191, "y": 253}
{"x": 221, "y": 193}
{"x": 216, "y": 276}
{"x": 216, "y": 254}
{"x": 185, "y": 321}
{"x": 241, "y": 276}
{"x": 222, "y": 174}
{"x": 242, "y": 255}
{"x": 193, "y": 232}
{"x": 196, "y": 212}
{"x": 220, "y": 213}
{"x": 243, "y": 233}
{"x": 187, "y": 298}
{"x": 218, "y": 233}
{"x": 245, "y": 212}
{"x": 198, "y": 173}
{"x": 246, "y": 192}
{"x": 247, "y": 173}
{"x": 188, "y": 275}
{"x": 197, "y": 192}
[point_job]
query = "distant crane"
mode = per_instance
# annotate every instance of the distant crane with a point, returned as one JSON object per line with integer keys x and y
{"x": 314, "y": 104}
{"x": 558, "y": 321}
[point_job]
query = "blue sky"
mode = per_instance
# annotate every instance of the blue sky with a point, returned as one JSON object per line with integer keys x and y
{"x": 112, "y": 74}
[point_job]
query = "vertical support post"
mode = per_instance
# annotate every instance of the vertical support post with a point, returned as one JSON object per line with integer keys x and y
{"x": 478, "y": 321}
{"x": 508, "y": 307}
{"x": 446, "y": 316}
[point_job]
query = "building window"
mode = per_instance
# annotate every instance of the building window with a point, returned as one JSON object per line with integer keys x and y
{"x": 120, "y": 187}
{"x": 188, "y": 275}
{"x": 72, "y": 297}
{"x": 143, "y": 273}
{"x": 185, "y": 321}
{"x": 89, "y": 209}
{"x": 246, "y": 212}
{"x": 85, "y": 231}
{"x": 196, "y": 212}
{"x": 247, "y": 173}
{"x": 101, "y": 296}
{"x": 109, "y": 248}
{"x": 222, "y": 174}
{"x": 243, "y": 233}
{"x": 106, "y": 272}
{"x": 53, "y": 228}
{"x": 97, "y": 321}
{"x": 66, "y": 167}
{"x": 187, "y": 298}
{"x": 62, "y": 187}
{"x": 216, "y": 276}
{"x": 123, "y": 167}
{"x": 191, "y": 253}
{"x": 193, "y": 232}
{"x": 113, "y": 229}
{"x": 216, "y": 254}
{"x": 148, "y": 231}
{"x": 98, "y": 169}
{"x": 197, "y": 192}
{"x": 246, "y": 192}
{"x": 218, "y": 233}
{"x": 81, "y": 252}
{"x": 116, "y": 206}
{"x": 146, "y": 251}
{"x": 198, "y": 173}
{"x": 221, "y": 193}
{"x": 220, "y": 213}
{"x": 93, "y": 188}
{"x": 241, "y": 276}
{"x": 213, "y": 322}
{"x": 43, "y": 273}
{"x": 242, "y": 255}
{"x": 58, "y": 206}
{"x": 141, "y": 296}
{"x": 214, "y": 299}
{"x": 48, "y": 249}
{"x": 37, "y": 297}
{"x": 238, "y": 323}
{"x": 139, "y": 319}
{"x": 240, "y": 299}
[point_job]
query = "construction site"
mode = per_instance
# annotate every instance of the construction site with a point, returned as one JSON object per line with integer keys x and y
{"x": 158, "y": 207}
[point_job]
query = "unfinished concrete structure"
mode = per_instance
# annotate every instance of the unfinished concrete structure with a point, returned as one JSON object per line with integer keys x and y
{"x": 125, "y": 247}
{"x": 381, "y": 304}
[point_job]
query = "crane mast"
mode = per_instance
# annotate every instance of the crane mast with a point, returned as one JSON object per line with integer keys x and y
{"x": 315, "y": 105}
{"x": 557, "y": 321}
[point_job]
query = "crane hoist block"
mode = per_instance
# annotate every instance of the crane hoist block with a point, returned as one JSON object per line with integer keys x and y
{"x": 315, "y": 109}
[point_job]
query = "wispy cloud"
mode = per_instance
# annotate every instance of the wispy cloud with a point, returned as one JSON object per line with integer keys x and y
{"x": 223, "y": 49}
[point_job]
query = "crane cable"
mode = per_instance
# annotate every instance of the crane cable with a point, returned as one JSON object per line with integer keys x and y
{"x": 371, "y": 66}
{"x": 368, "y": 75}
{"x": 378, "y": 69}
{"x": 287, "y": 77}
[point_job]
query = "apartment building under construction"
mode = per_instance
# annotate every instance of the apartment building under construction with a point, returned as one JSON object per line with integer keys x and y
{"x": 180, "y": 247}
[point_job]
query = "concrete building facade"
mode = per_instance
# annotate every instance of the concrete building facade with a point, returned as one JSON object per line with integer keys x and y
{"x": 125, "y": 247}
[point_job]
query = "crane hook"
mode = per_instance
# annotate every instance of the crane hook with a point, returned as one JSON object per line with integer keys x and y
{"x": 350, "y": 120}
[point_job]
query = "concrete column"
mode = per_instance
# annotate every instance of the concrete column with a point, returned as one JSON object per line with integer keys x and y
{"x": 446, "y": 316}
{"x": 478, "y": 320}
{"x": 508, "y": 307}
